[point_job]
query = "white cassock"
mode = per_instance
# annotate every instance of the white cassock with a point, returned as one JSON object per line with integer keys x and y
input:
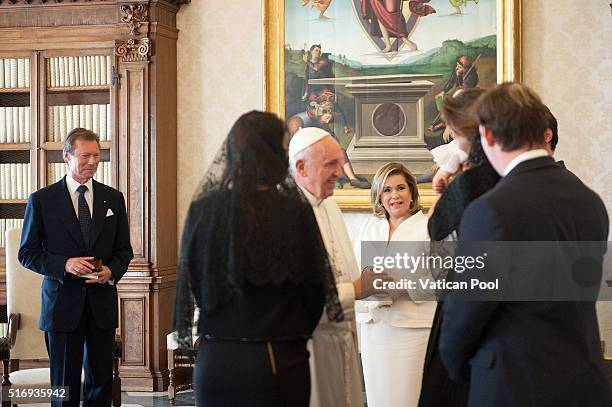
{"x": 394, "y": 337}
{"x": 334, "y": 363}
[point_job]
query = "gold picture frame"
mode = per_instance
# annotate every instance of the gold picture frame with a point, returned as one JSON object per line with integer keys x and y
{"x": 509, "y": 68}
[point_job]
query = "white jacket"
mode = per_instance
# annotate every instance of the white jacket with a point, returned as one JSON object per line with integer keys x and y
{"x": 403, "y": 312}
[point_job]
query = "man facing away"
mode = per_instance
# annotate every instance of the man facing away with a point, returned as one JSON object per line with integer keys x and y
{"x": 315, "y": 161}
{"x": 526, "y": 353}
{"x": 67, "y": 226}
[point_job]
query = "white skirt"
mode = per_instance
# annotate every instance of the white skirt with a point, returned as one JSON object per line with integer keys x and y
{"x": 393, "y": 361}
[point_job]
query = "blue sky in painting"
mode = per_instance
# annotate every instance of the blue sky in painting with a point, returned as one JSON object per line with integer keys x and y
{"x": 342, "y": 33}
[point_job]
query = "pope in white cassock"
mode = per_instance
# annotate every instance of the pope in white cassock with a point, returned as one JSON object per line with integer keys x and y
{"x": 315, "y": 160}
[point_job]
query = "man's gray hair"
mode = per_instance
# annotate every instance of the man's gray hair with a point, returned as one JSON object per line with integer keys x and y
{"x": 304, "y": 154}
{"x": 79, "y": 133}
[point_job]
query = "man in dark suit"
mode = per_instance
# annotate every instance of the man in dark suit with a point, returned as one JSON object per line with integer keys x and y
{"x": 67, "y": 226}
{"x": 526, "y": 353}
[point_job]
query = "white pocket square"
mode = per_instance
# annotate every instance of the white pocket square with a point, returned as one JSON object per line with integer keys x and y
{"x": 109, "y": 213}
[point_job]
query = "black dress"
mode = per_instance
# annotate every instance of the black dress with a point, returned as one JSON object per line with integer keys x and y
{"x": 438, "y": 390}
{"x": 254, "y": 322}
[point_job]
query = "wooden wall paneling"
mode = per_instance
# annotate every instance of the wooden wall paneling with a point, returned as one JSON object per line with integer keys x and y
{"x": 53, "y": 15}
{"x": 41, "y": 120}
{"x": 46, "y": 38}
{"x": 133, "y": 332}
{"x": 2, "y": 276}
{"x": 164, "y": 256}
{"x": 35, "y": 134}
{"x": 164, "y": 153}
{"x": 134, "y": 315}
{"x": 114, "y": 125}
{"x": 14, "y": 54}
{"x": 134, "y": 154}
{"x": 138, "y": 144}
{"x": 145, "y": 308}
{"x": 163, "y": 13}
{"x": 162, "y": 298}
{"x": 161, "y": 139}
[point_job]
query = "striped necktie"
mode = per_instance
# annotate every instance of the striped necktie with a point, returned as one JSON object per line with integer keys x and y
{"x": 84, "y": 214}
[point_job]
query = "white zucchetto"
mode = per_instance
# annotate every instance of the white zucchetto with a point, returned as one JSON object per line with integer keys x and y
{"x": 304, "y": 138}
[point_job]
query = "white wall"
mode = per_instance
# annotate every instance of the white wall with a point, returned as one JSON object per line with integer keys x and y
{"x": 567, "y": 61}
{"x": 220, "y": 76}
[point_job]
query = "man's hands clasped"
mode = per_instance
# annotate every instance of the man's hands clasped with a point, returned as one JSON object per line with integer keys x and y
{"x": 80, "y": 266}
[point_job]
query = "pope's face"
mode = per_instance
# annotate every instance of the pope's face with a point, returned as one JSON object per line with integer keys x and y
{"x": 323, "y": 167}
{"x": 83, "y": 161}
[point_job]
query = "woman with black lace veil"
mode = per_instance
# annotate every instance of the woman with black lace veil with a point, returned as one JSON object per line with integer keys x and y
{"x": 253, "y": 262}
{"x": 438, "y": 390}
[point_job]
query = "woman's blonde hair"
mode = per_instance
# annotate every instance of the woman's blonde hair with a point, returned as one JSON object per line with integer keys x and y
{"x": 378, "y": 183}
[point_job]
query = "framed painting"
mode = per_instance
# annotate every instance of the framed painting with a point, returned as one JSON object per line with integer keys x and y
{"x": 375, "y": 72}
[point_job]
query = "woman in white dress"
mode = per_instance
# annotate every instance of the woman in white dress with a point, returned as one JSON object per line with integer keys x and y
{"x": 394, "y": 332}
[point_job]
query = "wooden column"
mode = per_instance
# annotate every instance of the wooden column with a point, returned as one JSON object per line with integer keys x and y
{"x": 147, "y": 173}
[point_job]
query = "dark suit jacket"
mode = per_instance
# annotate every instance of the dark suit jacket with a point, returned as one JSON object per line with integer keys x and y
{"x": 529, "y": 353}
{"x": 51, "y": 235}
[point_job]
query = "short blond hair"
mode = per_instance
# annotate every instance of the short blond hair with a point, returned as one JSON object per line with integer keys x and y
{"x": 378, "y": 183}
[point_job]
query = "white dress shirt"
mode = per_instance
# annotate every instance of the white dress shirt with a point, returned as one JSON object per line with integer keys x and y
{"x": 74, "y": 194}
{"x": 527, "y": 155}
